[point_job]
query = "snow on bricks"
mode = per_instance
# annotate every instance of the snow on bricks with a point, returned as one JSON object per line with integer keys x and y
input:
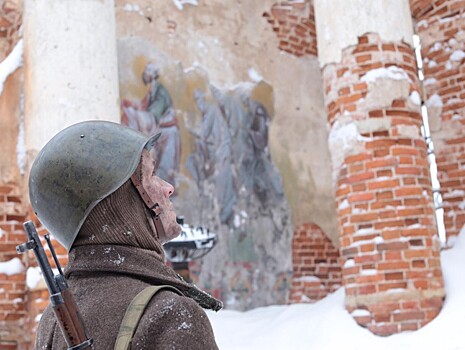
{"x": 441, "y": 28}
{"x": 294, "y": 25}
{"x": 13, "y": 310}
{"x": 23, "y": 299}
{"x": 387, "y": 229}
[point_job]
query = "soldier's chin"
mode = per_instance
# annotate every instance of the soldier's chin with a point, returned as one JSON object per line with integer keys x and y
{"x": 178, "y": 230}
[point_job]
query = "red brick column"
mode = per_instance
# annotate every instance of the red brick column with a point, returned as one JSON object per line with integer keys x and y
{"x": 387, "y": 228}
{"x": 316, "y": 265}
{"x": 440, "y": 25}
{"x": 294, "y": 25}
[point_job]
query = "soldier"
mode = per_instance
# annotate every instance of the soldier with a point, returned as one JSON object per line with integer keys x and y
{"x": 93, "y": 187}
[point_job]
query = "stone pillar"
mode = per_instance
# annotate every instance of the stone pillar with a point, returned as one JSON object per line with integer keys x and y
{"x": 71, "y": 66}
{"x": 70, "y": 75}
{"x": 387, "y": 231}
{"x": 441, "y": 27}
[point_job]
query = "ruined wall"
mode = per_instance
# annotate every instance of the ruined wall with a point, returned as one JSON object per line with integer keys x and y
{"x": 235, "y": 56}
{"x": 387, "y": 229}
{"x": 13, "y": 297}
{"x": 441, "y": 27}
{"x": 317, "y": 269}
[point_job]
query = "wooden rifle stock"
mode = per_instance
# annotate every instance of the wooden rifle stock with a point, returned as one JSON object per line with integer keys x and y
{"x": 61, "y": 298}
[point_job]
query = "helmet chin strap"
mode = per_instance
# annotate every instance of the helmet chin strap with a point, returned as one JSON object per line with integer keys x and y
{"x": 155, "y": 209}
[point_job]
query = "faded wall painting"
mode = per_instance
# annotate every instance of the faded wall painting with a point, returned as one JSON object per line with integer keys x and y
{"x": 214, "y": 149}
{"x": 155, "y": 113}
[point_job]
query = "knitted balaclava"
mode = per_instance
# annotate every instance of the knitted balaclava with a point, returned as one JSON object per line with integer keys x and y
{"x": 121, "y": 219}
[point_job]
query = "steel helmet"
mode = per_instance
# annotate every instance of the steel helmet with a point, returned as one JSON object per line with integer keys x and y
{"x": 78, "y": 168}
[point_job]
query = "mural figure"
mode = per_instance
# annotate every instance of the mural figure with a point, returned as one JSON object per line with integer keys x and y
{"x": 155, "y": 113}
{"x": 257, "y": 170}
{"x": 248, "y": 124}
{"x": 212, "y": 156}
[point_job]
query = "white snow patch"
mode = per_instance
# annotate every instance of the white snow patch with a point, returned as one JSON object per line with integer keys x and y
{"x": 133, "y": 8}
{"x": 451, "y": 241}
{"x": 453, "y": 100}
{"x": 369, "y": 272}
{"x": 454, "y": 193}
{"x": 17, "y": 301}
{"x": 11, "y": 267}
{"x": 436, "y": 47}
{"x": 422, "y": 23}
{"x": 180, "y": 3}
{"x": 462, "y": 205}
{"x": 457, "y": 55}
{"x": 313, "y": 326}
{"x": 33, "y": 277}
{"x": 1, "y": 233}
{"x": 364, "y": 231}
{"x": 430, "y": 81}
{"x": 38, "y": 317}
{"x": 344, "y": 204}
{"x": 119, "y": 260}
{"x": 12, "y": 62}
{"x": 432, "y": 64}
{"x": 415, "y": 98}
{"x": 360, "y": 312}
{"x": 395, "y": 290}
{"x": 254, "y": 76}
{"x": 434, "y": 101}
{"x": 307, "y": 279}
{"x": 184, "y": 325}
{"x": 392, "y": 72}
{"x": 349, "y": 263}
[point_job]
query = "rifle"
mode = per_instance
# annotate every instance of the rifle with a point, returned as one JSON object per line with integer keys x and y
{"x": 61, "y": 298}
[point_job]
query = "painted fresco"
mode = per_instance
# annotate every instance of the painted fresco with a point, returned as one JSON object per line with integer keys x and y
{"x": 214, "y": 149}
{"x": 153, "y": 114}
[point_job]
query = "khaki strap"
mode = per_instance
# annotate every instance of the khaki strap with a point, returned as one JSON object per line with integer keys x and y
{"x": 134, "y": 313}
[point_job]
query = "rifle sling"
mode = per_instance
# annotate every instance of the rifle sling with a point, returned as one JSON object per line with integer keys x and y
{"x": 134, "y": 313}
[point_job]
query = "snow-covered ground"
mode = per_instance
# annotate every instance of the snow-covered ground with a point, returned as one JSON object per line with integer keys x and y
{"x": 326, "y": 325}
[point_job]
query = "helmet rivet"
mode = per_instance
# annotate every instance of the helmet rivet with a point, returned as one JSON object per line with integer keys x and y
{"x": 82, "y": 136}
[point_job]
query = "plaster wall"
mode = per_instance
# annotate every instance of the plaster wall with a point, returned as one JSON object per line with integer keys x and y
{"x": 234, "y": 45}
{"x": 71, "y": 66}
{"x": 340, "y": 22}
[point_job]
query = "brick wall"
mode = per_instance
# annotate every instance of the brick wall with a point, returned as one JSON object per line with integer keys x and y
{"x": 387, "y": 228}
{"x": 316, "y": 265}
{"x": 20, "y": 305}
{"x": 10, "y": 22}
{"x": 440, "y": 26}
{"x": 13, "y": 303}
{"x": 294, "y": 25}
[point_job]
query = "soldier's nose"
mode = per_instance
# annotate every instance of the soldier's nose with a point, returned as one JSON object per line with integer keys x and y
{"x": 168, "y": 189}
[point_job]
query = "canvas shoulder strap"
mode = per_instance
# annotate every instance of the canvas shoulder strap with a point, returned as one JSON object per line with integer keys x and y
{"x": 134, "y": 313}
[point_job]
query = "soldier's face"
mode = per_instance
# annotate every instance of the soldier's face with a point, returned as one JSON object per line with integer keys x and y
{"x": 160, "y": 192}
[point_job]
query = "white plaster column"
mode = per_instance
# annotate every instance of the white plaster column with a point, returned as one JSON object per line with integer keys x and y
{"x": 70, "y": 66}
{"x": 340, "y": 22}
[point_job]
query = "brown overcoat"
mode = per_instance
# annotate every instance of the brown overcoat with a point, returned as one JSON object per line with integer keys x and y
{"x": 105, "y": 278}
